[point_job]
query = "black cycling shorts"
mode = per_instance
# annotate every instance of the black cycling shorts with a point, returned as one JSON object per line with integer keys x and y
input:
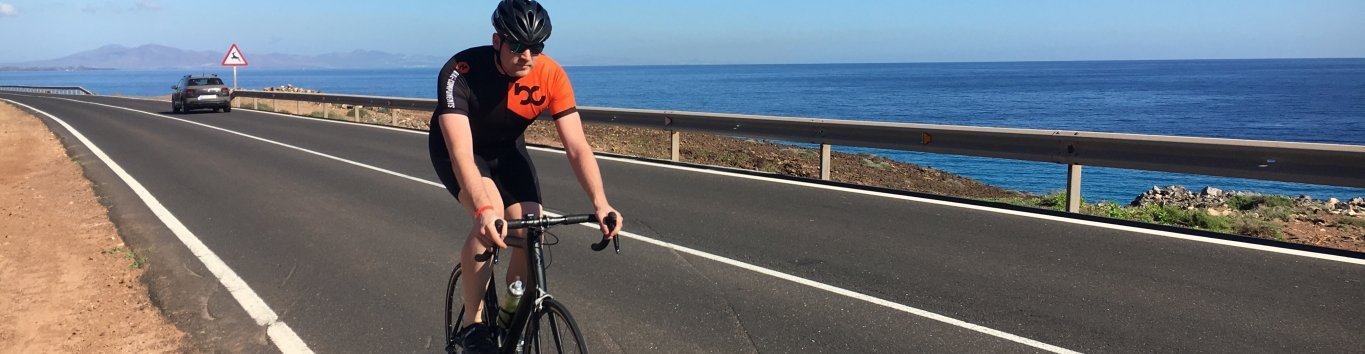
{"x": 509, "y": 167}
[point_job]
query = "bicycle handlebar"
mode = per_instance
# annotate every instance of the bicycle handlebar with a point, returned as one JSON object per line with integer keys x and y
{"x": 552, "y": 221}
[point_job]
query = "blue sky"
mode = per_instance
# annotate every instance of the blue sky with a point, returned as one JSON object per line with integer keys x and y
{"x": 601, "y": 32}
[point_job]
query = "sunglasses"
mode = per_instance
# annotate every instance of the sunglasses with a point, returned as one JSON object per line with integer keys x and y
{"x": 518, "y": 47}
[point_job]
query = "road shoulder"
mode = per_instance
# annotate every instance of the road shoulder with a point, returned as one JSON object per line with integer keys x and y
{"x": 181, "y": 305}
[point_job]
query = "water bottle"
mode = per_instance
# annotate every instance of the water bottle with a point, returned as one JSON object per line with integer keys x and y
{"x": 509, "y": 305}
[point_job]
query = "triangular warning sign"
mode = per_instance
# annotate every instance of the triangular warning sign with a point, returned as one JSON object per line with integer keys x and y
{"x": 234, "y": 57}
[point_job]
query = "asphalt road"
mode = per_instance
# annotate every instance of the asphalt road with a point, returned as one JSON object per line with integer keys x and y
{"x": 355, "y": 260}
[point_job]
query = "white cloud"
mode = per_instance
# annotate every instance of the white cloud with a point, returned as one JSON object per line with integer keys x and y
{"x": 121, "y": 7}
{"x": 149, "y": 5}
{"x": 8, "y": 10}
{"x": 94, "y": 8}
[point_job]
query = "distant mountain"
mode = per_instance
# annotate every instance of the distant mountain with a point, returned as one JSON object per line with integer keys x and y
{"x": 153, "y": 56}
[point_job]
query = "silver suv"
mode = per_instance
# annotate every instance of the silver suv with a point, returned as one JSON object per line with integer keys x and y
{"x": 194, "y": 92}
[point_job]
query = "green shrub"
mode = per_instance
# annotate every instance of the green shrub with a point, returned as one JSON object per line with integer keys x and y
{"x": 1162, "y": 214}
{"x": 1200, "y": 219}
{"x": 1280, "y": 213}
{"x": 1256, "y": 228}
{"x": 1251, "y": 202}
{"x": 1109, "y": 209}
{"x": 135, "y": 260}
{"x": 880, "y": 165}
{"x": 1276, "y": 201}
{"x": 1351, "y": 221}
{"x": 1031, "y": 202}
{"x": 1054, "y": 201}
{"x": 1169, "y": 215}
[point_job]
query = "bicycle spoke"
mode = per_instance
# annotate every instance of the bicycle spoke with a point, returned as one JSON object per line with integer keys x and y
{"x": 536, "y": 340}
{"x": 554, "y": 331}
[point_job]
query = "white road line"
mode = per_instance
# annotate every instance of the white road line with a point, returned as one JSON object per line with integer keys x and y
{"x": 373, "y": 168}
{"x": 837, "y": 290}
{"x": 1140, "y": 230}
{"x": 850, "y": 293}
{"x": 821, "y": 186}
{"x": 284, "y": 338}
{"x": 1232, "y": 243}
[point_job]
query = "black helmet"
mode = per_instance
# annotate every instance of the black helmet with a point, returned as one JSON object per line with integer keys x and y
{"x": 524, "y": 21}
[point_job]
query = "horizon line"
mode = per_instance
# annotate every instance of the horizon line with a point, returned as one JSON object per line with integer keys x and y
{"x": 86, "y": 67}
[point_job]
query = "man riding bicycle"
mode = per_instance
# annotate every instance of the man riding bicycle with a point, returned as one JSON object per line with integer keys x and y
{"x": 487, "y": 97}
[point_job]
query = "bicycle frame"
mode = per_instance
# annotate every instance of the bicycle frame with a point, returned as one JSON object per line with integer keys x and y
{"x": 535, "y": 285}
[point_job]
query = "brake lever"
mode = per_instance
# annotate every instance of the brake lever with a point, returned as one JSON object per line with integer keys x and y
{"x": 492, "y": 252}
{"x": 484, "y": 256}
{"x": 615, "y": 241}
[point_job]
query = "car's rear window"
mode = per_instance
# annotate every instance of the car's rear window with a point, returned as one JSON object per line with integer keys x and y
{"x": 206, "y": 81}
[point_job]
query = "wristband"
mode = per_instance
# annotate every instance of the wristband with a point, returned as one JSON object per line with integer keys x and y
{"x": 481, "y": 210}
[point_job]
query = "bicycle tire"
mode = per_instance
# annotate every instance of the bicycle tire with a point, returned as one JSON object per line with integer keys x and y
{"x": 454, "y": 314}
{"x": 553, "y": 330}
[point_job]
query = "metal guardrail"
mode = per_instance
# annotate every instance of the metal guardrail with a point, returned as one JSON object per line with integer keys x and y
{"x": 1329, "y": 164}
{"x": 61, "y": 90}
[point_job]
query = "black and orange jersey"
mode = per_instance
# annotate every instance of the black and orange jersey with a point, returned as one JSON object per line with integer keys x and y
{"x": 499, "y": 107}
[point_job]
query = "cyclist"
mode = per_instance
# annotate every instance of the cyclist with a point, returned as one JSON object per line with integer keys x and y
{"x": 487, "y": 96}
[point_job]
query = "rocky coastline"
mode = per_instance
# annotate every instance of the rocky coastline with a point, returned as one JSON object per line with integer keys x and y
{"x": 289, "y": 88}
{"x": 1218, "y": 202}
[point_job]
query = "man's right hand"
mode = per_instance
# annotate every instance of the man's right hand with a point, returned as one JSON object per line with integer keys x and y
{"x": 489, "y": 234}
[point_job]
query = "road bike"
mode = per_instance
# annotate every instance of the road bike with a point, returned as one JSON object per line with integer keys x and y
{"x": 540, "y": 324}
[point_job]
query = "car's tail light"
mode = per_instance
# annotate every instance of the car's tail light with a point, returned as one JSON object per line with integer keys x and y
{"x": 189, "y": 92}
{"x": 226, "y": 92}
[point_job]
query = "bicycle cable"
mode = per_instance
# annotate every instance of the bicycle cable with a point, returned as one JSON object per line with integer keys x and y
{"x": 546, "y": 250}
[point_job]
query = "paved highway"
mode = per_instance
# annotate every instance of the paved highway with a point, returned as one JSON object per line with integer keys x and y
{"x": 341, "y": 232}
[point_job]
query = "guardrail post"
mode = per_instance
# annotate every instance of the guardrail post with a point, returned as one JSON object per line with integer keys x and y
{"x": 824, "y": 162}
{"x": 356, "y": 108}
{"x": 677, "y": 146}
{"x": 256, "y": 103}
{"x": 326, "y": 110}
{"x": 298, "y": 110}
{"x": 1073, "y": 188}
{"x": 275, "y": 105}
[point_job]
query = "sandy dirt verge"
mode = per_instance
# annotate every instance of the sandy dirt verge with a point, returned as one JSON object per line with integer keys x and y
{"x": 67, "y": 282}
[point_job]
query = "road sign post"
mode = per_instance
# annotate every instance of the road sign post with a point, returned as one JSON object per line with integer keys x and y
{"x": 234, "y": 58}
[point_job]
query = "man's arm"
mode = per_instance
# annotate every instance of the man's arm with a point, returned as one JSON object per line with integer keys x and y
{"x": 584, "y": 164}
{"x": 460, "y": 143}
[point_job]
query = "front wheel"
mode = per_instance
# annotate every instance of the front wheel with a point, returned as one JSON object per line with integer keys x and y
{"x": 553, "y": 330}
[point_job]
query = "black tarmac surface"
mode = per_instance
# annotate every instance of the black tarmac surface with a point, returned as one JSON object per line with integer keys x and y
{"x": 356, "y": 260}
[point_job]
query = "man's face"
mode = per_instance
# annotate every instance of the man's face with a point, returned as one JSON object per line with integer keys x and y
{"x": 515, "y": 64}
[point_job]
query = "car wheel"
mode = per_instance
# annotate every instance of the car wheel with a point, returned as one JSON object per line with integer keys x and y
{"x": 227, "y": 109}
{"x": 175, "y": 108}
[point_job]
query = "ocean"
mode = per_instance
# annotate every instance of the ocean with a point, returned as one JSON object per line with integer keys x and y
{"x": 1302, "y": 100}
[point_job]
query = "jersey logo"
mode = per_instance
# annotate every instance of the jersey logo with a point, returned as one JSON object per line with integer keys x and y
{"x": 530, "y": 94}
{"x": 450, "y": 89}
